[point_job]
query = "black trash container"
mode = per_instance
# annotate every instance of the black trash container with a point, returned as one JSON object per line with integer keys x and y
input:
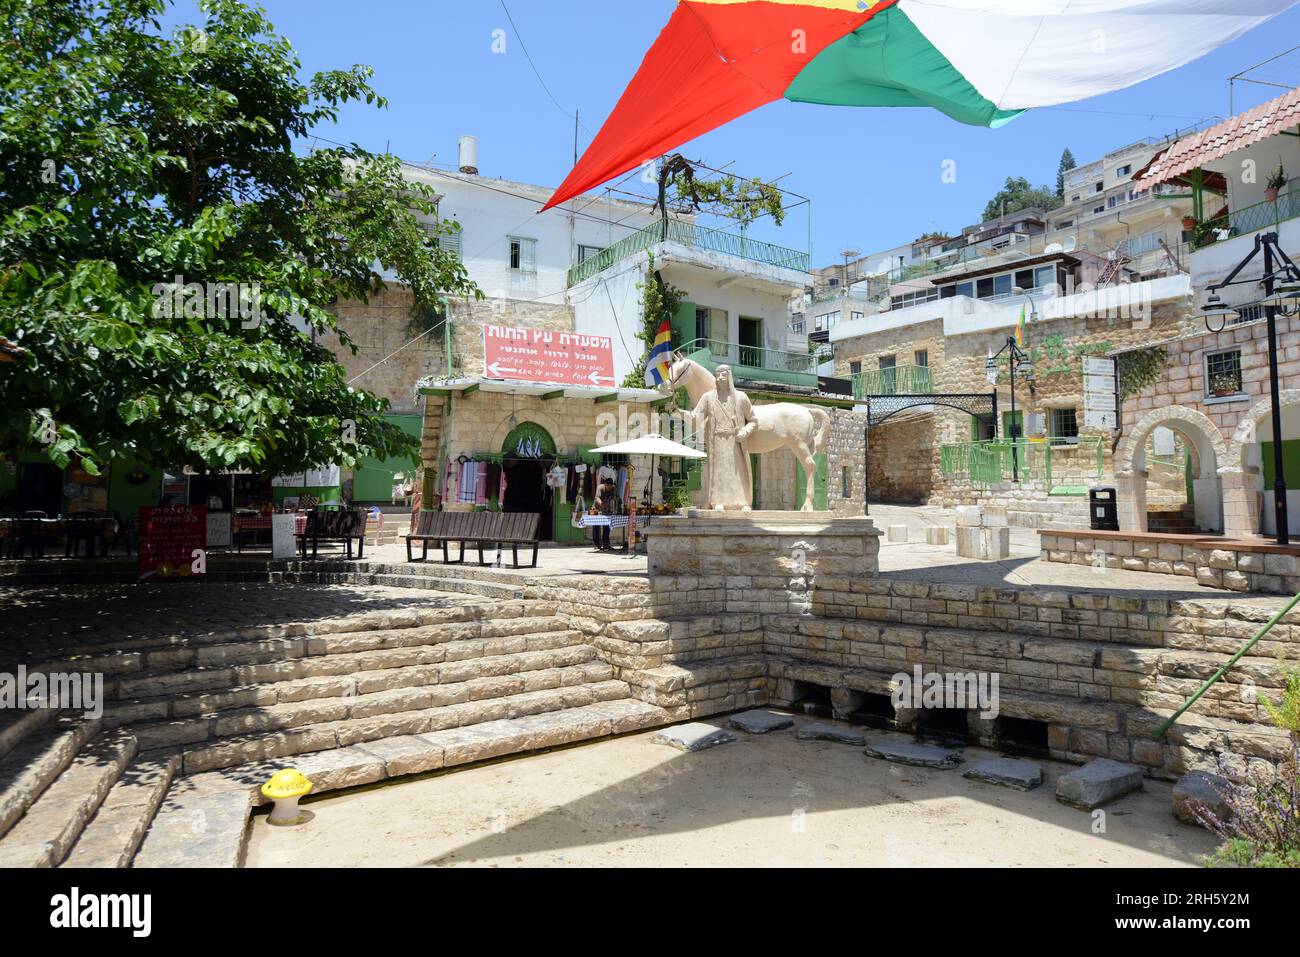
{"x": 1103, "y": 510}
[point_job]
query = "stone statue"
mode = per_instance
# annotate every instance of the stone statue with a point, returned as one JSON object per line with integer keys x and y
{"x": 803, "y": 429}
{"x": 727, "y": 420}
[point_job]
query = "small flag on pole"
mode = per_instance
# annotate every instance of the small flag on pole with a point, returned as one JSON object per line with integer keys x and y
{"x": 1020, "y": 329}
{"x": 658, "y": 362}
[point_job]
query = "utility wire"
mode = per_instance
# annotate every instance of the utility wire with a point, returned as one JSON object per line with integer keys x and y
{"x": 537, "y": 73}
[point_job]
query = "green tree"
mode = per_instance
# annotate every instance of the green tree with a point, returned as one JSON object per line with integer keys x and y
{"x": 1017, "y": 194}
{"x": 130, "y": 157}
{"x": 1067, "y": 164}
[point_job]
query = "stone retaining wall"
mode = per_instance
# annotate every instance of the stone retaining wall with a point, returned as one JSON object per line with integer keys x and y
{"x": 1215, "y": 567}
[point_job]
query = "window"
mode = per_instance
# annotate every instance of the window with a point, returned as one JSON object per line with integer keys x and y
{"x": 984, "y": 288}
{"x": 1223, "y": 373}
{"x": 965, "y": 289}
{"x": 523, "y": 254}
{"x": 855, "y": 367}
{"x": 825, "y": 321}
{"x": 1124, "y": 170}
{"x": 1065, "y": 426}
{"x": 1099, "y": 209}
{"x": 797, "y": 327}
{"x": 913, "y": 298}
{"x": 1044, "y": 276}
{"x": 448, "y": 242}
{"x": 888, "y": 362}
{"x": 921, "y": 357}
{"x": 587, "y": 252}
{"x": 1098, "y": 187}
{"x": 1066, "y": 223}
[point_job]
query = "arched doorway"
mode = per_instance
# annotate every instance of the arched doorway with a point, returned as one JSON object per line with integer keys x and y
{"x": 1250, "y": 459}
{"x": 527, "y": 452}
{"x": 1189, "y": 441}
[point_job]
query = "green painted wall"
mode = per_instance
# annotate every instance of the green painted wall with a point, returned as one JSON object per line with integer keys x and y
{"x": 373, "y": 479}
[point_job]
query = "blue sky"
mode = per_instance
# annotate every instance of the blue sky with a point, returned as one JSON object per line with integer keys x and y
{"x": 873, "y": 175}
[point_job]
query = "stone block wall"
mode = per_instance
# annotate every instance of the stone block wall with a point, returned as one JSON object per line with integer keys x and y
{"x": 394, "y": 351}
{"x": 844, "y": 450}
{"x": 903, "y": 459}
{"x": 1233, "y": 568}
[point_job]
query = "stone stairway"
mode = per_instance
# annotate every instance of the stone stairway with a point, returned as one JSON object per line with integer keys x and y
{"x": 194, "y": 724}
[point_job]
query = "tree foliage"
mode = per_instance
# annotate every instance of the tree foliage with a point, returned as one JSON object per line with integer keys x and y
{"x": 1067, "y": 164}
{"x": 1017, "y": 194}
{"x": 659, "y": 301}
{"x": 129, "y": 158}
{"x": 728, "y": 196}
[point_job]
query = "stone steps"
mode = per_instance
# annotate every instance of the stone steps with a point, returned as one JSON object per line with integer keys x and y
{"x": 468, "y": 586}
{"x": 350, "y": 675}
{"x": 396, "y": 715}
{"x": 113, "y": 835}
{"x": 18, "y": 725}
{"x": 335, "y": 703}
{"x": 35, "y": 762}
{"x": 224, "y": 667}
{"x": 48, "y": 654}
{"x": 55, "y": 819}
{"x": 223, "y": 799}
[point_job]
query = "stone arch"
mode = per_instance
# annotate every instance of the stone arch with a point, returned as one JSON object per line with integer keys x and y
{"x": 1246, "y": 432}
{"x": 1210, "y": 453}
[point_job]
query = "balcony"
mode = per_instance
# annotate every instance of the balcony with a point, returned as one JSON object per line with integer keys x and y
{"x": 1248, "y": 219}
{"x": 695, "y": 237}
{"x": 899, "y": 380}
{"x": 755, "y": 364}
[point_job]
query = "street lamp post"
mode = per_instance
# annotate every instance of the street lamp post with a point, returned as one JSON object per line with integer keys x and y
{"x": 1277, "y": 267}
{"x": 1016, "y": 357}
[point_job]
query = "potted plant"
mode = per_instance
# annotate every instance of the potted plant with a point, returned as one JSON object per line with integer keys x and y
{"x": 1276, "y": 180}
{"x": 1205, "y": 234}
{"x": 1224, "y": 384}
{"x": 1189, "y": 223}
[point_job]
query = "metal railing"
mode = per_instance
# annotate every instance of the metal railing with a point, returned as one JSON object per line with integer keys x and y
{"x": 715, "y": 352}
{"x": 898, "y": 380}
{"x": 696, "y": 237}
{"x": 1248, "y": 219}
{"x": 994, "y": 461}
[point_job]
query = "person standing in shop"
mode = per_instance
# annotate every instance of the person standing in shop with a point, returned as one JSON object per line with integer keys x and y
{"x": 608, "y": 507}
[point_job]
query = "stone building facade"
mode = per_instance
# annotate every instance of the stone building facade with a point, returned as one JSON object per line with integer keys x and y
{"x": 953, "y": 345}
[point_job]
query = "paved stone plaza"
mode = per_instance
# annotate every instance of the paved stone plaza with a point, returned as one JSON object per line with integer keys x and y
{"x": 766, "y": 800}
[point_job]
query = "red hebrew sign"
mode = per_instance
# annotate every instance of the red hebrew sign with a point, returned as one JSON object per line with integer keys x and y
{"x": 544, "y": 355}
{"x": 169, "y": 536}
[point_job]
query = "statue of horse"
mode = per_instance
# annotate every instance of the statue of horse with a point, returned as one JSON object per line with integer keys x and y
{"x": 803, "y": 429}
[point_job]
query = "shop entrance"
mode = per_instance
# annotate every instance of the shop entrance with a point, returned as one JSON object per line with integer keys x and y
{"x": 526, "y": 455}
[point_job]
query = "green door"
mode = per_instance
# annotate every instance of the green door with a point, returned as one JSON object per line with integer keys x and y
{"x": 819, "y": 484}
{"x": 1013, "y": 424}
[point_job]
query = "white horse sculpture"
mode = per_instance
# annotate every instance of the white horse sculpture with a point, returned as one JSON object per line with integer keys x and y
{"x": 801, "y": 428}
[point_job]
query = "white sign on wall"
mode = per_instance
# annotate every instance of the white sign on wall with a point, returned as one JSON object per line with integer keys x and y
{"x": 1094, "y": 419}
{"x": 1100, "y": 407}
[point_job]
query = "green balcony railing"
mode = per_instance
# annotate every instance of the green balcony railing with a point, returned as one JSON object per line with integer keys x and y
{"x": 1248, "y": 219}
{"x": 899, "y": 380}
{"x": 1002, "y": 460}
{"x": 754, "y": 362}
{"x": 696, "y": 237}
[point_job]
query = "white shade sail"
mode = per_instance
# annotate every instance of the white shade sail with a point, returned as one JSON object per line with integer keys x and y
{"x": 652, "y": 444}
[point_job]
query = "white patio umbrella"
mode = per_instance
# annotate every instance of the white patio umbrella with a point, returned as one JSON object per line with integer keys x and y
{"x": 653, "y": 445}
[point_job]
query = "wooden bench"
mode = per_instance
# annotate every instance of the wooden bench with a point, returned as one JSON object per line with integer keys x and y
{"x": 335, "y": 525}
{"x": 475, "y": 528}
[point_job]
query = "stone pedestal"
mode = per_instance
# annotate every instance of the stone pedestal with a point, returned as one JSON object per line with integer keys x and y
{"x": 936, "y": 535}
{"x": 988, "y": 544}
{"x": 757, "y": 561}
{"x": 897, "y": 533}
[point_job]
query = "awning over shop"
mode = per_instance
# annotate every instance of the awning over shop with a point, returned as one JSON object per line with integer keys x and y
{"x": 541, "y": 390}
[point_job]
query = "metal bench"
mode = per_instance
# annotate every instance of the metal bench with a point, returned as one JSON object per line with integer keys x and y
{"x": 474, "y": 528}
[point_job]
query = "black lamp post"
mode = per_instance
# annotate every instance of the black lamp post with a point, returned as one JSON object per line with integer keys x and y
{"x": 1016, "y": 357}
{"x": 1281, "y": 282}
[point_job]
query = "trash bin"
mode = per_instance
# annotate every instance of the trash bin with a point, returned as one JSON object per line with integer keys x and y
{"x": 1103, "y": 510}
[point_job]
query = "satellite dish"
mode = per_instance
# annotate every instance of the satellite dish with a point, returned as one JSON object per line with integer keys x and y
{"x": 1054, "y": 248}
{"x": 1071, "y": 244}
